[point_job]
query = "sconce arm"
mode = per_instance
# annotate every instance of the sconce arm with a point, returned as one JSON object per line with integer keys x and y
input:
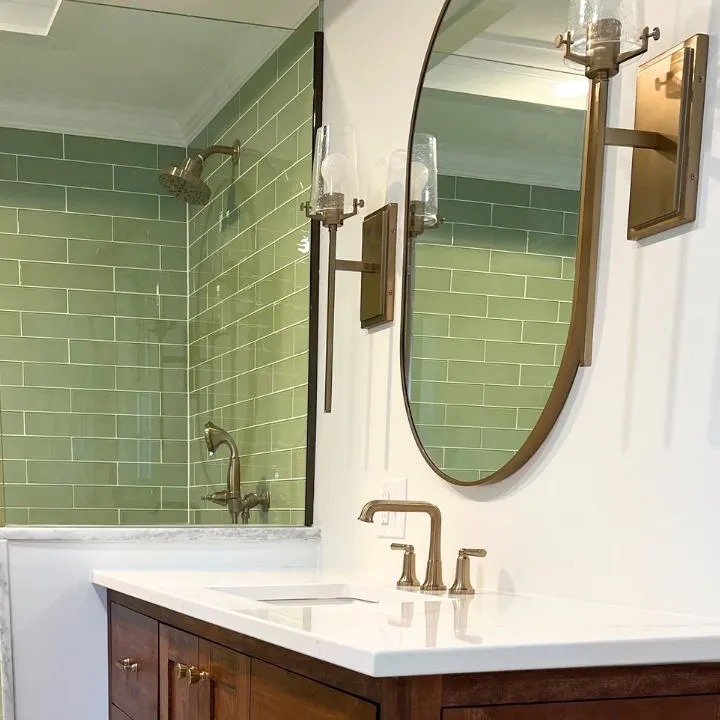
{"x": 645, "y": 39}
{"x": 566, "y": 40}
{"x": 621, "y": 137}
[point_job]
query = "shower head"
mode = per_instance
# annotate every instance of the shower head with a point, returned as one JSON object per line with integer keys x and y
{"x": 185, "y": 181}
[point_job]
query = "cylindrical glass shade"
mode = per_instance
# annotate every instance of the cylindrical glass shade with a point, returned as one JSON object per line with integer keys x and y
{"x": 334, "y": 182}
{"x": 424, "y": 178}
{"x": 599, "y": 22}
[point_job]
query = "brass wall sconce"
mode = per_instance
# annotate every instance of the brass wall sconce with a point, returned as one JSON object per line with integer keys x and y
{"x": 666, "y": 139}
{"x": 334, "y": 183}
{"x": 423, "y": 205}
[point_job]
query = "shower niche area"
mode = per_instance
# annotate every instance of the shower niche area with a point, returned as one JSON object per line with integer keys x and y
{"x": 156, "y": 272}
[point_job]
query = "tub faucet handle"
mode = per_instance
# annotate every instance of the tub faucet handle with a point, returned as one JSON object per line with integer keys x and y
{"x": 408, "y": 579}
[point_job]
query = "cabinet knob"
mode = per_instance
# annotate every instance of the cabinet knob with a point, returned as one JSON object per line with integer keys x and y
{"x": 190, "y": 673}
{"x": 128, "y": 665}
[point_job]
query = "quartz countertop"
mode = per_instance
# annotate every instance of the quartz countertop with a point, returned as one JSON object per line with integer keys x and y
{"x": 401, "y": 633}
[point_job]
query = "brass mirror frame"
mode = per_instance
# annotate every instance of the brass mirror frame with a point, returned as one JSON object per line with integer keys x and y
{"x": 578, "y": 349}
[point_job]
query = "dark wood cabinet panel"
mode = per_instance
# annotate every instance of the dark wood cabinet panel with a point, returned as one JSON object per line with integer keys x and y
{"x": 179, "y": 700}
{"x": 225, "y": 695}
{"x": 133, "y": 663}
{"x": 117, "y": 714}
{"x": 281, "y": 695}
{"x": 684, "y": 708}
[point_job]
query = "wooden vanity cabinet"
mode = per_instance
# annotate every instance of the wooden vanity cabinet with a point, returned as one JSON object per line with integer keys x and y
{"x": 166, "y": 666}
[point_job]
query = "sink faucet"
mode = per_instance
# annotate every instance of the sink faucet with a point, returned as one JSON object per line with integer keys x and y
{"x": 433, "y": 577}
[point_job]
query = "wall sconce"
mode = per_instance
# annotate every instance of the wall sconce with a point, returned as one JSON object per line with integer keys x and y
{"x": 333, "y": 199}
{"x": 666, "y": 139}
{"x": 423, "y": 207}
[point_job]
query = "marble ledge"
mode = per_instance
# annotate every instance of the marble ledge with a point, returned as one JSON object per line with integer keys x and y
{"x": 247, "y": 533}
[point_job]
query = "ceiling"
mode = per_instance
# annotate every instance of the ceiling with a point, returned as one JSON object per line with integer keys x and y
{"x": 137, "y": 74}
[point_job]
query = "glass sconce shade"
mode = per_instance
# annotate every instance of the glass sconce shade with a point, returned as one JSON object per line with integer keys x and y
{"x": 424, "y": 179}
{"x": 334, "y": 182}
{"x": 594, "y": 23}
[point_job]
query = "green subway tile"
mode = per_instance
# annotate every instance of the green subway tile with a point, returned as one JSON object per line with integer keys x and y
{"x": 258, "y": 145}
{"x": 96, "y": 252}
{"x": 173, "y": 308}
{"x": 31, "y": 142}
{"x": 571, "y": 226}
{"x": 526, "y": 219}
{"x": 427, "y": 414}
{"x": 449, "y": 303}
{"x": 449, "y": 436}
{"x": 152, "y": 474}
{"x": 431, "y": 279}
{"x": 155, "y": 427}
{"x": 271, "y": 408}
{"x": 507, "y": 396}
{"x": 510, "y": 352}
{"x": 170, "y": 156}
{"x": 116, "y": 152}
{"x": 165, "y": 282}
{"x": 288, "y": 494}
{"x": 432, "y": 325}
{"x": 278, "y": 160}
{"x": 17, "y": 516}
{"x": 115, "y": 401}
{"x": 9, "y": 323}
{"x": 306, "y": 67}
{"x": 477, "y": 459}
{"x": 172, "y": 258}
{"x": 483, "y": 372}
{"x": 38, "y": 496}
{"x": 272, "y": 223}
{"x": 447, "y": 393}
{"x": 174, "y": 404}
{"x": 272, "y": 348}
{"x": 73, "y": 517}
{"x": 63, "y": 225}
{"x": 545, "y": 332}
{"x": 72, "y": 473}
{"x": 8, "y": 167}
{"x": 29, "y": 298}
{"x": 300, "y": 401}
{"x": 9, "y": 272}
{"x": 14, "y": 471}
{"x": 31, "y": 195}
{"x": 294, "y": 181}
{"x": 107, "y": 449}
{"x": 503, "y": 439}
{"x": 481, "y": 417}
{"x": 114, "y": 304}
{"x": 43, "y": 399}
{"x": 565, "y": 313}
{"x": 174, "y": 451}
{"x": 69, "y": 376}
{"x": 142, "y": 378}
{"x": 154, "y": 517}
{"x": 259, "y": 83}
{"x": 466, "y": 476}
{"x": 8, "y": 220}
{"x": 69, "y": 424}
{"x": 522, "y": 309}
{"x": 485, "y": 328}
{"x": 67, "y": 326}
{"x": 137, "y": 180}
{"x": 238, "y": 415}
{"x": 422, "y": 369}
{"x": 66, "y": 276}
{"x": 110, "y": 202}
{"x": 148, "y": 232}
{"x": 88, "y": 352}
{"x": 288, "y": 311}
{"x": 555, "y": 199}
{"x": 491, "y": 238}
{"x": 538, "y": 375}
{"x": 492, "y": 191}
{"x": 37, "y": 448}
{"x": 289, "y": 434}
{"x": 524, "y": 264}
{"x": 289, "y": 373}
{"x": 299, "y": 43}
{"x": 448, "y": 348}
{"x": 552, "y": 244}
{"x": 446, "y": 186}
{"x": 103, "y": 496}
{"x": 488, "y": 284}
{"x": 568, "y": 271}
{"x": 29, "y": 247}
{"x": 64, "y": 172}
{"x": 461, "y": 211}
{"x": 297, "y": 112}
{"x": 527, "y": 418}
{"x": 279, "y": 95}
{"x": 10, "y": 373}
{"x": 38, "y": 349}
{"x": 550, "y": 289}
{"x": 13, "y": 423}
{"x": 174, "y": 498}
{"x": 458, "y": 258}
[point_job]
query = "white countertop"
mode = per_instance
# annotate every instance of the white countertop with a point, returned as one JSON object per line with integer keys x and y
{"x": 403, "y": 633}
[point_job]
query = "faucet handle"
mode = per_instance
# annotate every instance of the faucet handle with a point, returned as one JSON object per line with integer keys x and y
{"x": 462, "y": 584}
{"x": 408, "y": 579}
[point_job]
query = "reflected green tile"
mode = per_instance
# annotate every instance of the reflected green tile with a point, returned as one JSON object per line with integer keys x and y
{"x": 481, "y": 417}
{"x": 69, "y": 376}
{"x": 273, "y": 223}
{"x": 10, "y": 373}
{"x": 72, "y": 473}
{"x": 17, "y": 516}
{"x": 527, "y": 418}
{"x": 449, "y": 436}
{"x": 64, "y": 225}
{"x": 115, "y": 152}
{"x": 113, "y": 304}
{"x": 172, "y": 258}
{"x": 272, "y": 348}
{"x": 148, "y": 378}
{"x": 65, "y": 172}
{"x": 450, "y": 303}
{"x": 565, "y": 313}
{"x": 289, "y": 373}
{"x": 510, "y": 352}
{"x": 279, "y": 95}
{"x": 115, "y": 401}
{"x": 446, "y": 186}
{"x": 109, "y": 449}
{"x": 14, "y": 471}
{"x": 174, "y": 404}
{"x": 458, "y": 258}
{"x": 568, "y": 271}
{"x": 291, "y": 310}
{"x": 258, "y": 145}
{"x": 29, "y": 349}
{"x": 555, "y": 199}
{"x": 525, "y": 264}
{"x": 425, "y": 324}
{"x": 278, "y": 160}
{"x": 69, "y": 424}
{"x": 154, "y": 517}
{"x": 483, "y": 372}
{"x": 552, "y": 244}
{"x": 117, "y": 254}
{"x": 29, "y": 298}
{"x": 522, "y": 309}
{"x": 550, "y": 289}
{"x": 174, "y": 498}
{"x": 503, "y": 439}
{"x": 300, "y": 401}
{"x": 38, "y": 496}
{"x": 165, "y": 282}
{"x": 431, "y": 279}
{"x": 422, "y": 369}
{"x": 306, "y": 67}
{"x": 110, "y": 202}
{"x": 447, "y": 393}
{"x": 259, "y": 83}
{"x": 89, "y": 352}
{"x": 538, "y": 375}
{"x": 68, "y": 326}
{"x": 136, "y": 180}
{"x": 27, "y": 399}
{"x": 527, "y": 219}
{"x": 9, "y": 272}
{"x": 488, "y": 283}
{"x": 492, "y": 191}
{"x": 169, "y": 155}
{"x": 427, "y": 414}
{"x": 462, "y": 211}
{"x": 571, "y": 226}
{"x": 465, "y": 476}
{"x": 8, "y": 167}
{"x": 9, "y": 322}
{"x": 12, "y": 423}
{"x": 508, "y": 396}
{"x": 102, "y": 496}
{"x": 31, "y": 195}
{"x": 8, "y": 220}
{"x": 297, "y": 112}
{"x": 271, "y": 408}
{"x": 477, "y": 459}
{"x": 299, "y": 43}
{"x": 491, "y": 238}
{"x": 153, "y": 474}
{"x": 292, "y": 247}
{"x": 38, "y": 448}
{"x": 542, "y": 332}
{"x": 287, "y": 494}
{"x": 73, "y": 517}
{"x": 174, "y": 451}
{"x": 448, "y": 348}
{"x": 66, "y": 276}
{"x": 485, "y": 328}
{"x": 149, "y": 232}
{"x": 173, "y": 308}
{"x": 289, "y": 434}
{"x": 31, "y": 142}
{"x": 29, "y": 247}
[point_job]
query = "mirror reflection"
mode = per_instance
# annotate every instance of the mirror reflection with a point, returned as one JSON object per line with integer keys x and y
{"x": 489, "y": 289}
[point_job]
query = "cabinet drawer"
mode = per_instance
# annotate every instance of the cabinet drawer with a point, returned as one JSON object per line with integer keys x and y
{"x": 133, "y": 642}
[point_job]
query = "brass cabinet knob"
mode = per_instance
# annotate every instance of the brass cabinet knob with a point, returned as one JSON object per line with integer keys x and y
{"x": 128, "y": 665}
{"x": 181, "y": 671}
{"x": 190, "y": 673}
{"x": 408, "y": 579}
{"x": 462, "y": 584}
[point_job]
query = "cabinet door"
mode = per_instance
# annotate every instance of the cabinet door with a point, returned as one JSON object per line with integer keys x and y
{"x": 179, "y": 699}
{"x": 705, "y": 707}
{"x": 279, "y": 695}
{"x": 225, "y": 694}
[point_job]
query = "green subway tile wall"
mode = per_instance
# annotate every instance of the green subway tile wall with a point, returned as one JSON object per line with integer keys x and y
{"x": 491, "y": 311}
{"x": 249, "y": 297}
{"x": 93, "y": 346}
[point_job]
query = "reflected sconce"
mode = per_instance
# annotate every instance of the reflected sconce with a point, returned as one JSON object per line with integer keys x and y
{"x": 670, "y": 98}
{"x": 333, "y": 199}
{"x": 423, "y": 207}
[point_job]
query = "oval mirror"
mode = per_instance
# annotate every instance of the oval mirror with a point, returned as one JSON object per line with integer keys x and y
{"x": 491, "y": 331}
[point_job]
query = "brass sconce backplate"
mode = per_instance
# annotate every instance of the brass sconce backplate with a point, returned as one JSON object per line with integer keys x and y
{"x": 670, "y": 102}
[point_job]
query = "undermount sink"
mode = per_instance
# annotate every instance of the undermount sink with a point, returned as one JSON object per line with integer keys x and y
{"x": 306, "y": 595}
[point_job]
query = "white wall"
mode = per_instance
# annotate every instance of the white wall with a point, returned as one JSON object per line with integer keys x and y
{"x": 622, "y": 504}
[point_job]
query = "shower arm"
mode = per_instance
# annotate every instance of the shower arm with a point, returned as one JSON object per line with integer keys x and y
{"x": 232, "y": 150}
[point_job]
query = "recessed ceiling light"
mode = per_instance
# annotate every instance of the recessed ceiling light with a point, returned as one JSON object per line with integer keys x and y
{"x": 571, "y": 89}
